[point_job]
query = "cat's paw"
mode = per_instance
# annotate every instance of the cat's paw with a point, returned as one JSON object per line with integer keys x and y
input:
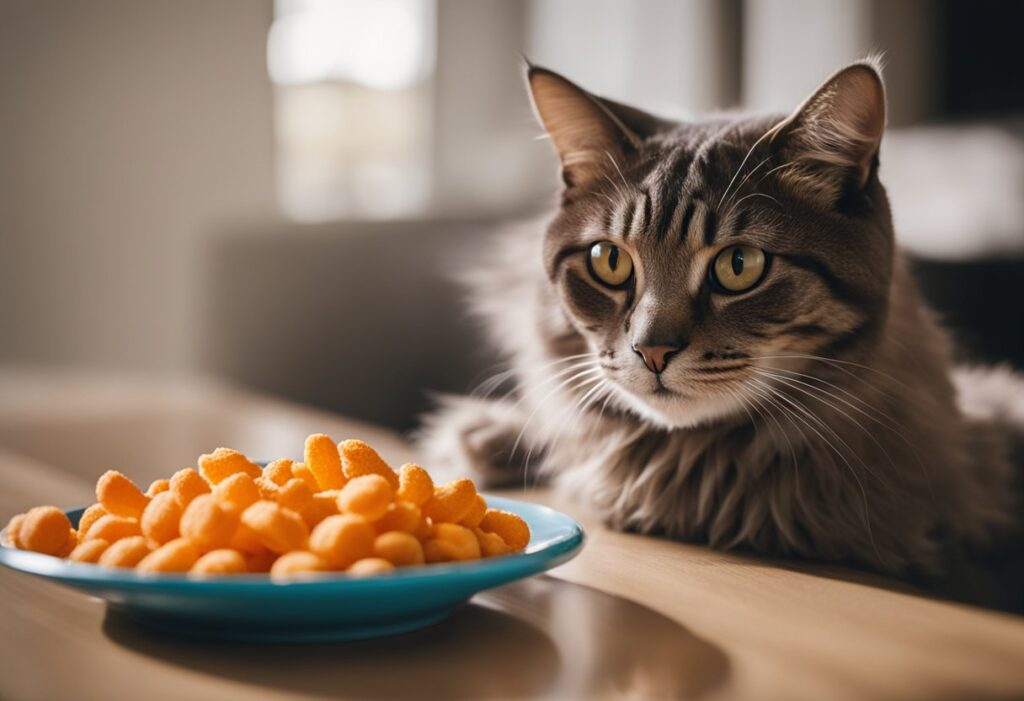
{"x": 476, "y": 438}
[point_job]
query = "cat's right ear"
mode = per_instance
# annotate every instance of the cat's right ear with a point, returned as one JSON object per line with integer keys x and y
{"x": 590, "y": 135}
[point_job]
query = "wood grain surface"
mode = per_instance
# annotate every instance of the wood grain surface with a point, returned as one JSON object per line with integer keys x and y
{"x": 631, "y": 617}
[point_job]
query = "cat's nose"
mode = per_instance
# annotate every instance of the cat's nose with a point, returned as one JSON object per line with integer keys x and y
{"x": 656, "y": 357}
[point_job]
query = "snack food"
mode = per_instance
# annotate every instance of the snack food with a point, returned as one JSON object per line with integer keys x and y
{"x": 342, "y": 509}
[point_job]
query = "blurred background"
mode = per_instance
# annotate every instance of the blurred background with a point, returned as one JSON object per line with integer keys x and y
{"x": 276, "y": 193}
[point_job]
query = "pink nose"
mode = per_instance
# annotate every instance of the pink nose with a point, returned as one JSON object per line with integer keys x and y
{"x": 656, "y": 357}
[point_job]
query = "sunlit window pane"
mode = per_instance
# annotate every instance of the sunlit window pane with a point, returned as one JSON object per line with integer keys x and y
{"x": 353, "y": 106}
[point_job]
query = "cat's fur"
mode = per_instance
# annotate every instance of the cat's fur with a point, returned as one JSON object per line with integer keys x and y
{"x": 814, "y": 415}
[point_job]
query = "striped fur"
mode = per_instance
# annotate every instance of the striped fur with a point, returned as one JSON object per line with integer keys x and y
{"x": 811, "y": 416}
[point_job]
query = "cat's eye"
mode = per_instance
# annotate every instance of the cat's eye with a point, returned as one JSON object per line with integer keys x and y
{"x": 609, "y": 264}
{"x": 738, "y": 268}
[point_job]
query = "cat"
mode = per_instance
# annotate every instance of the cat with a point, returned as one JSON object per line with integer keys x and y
{"x": 715, "y": 339}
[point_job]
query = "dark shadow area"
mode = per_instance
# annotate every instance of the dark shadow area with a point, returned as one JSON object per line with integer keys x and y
{"x": 541, "y": 637}
{"x": 372, "y": 321}
{"x": 978, "y": 302}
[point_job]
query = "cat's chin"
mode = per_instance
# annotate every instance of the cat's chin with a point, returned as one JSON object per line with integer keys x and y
{"x": 672, "y": 411}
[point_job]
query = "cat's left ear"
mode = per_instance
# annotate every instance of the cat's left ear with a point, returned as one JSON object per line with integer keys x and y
{"x": 591, "y": 134}
{"x": 838, "y": 129}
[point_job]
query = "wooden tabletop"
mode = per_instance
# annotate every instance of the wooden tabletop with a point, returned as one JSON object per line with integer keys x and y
{"x": 631, "y": 617}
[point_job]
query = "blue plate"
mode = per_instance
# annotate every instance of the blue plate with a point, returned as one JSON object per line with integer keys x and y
{"x": 327, "y": 607}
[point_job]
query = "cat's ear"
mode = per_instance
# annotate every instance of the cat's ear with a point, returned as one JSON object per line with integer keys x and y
{"x": 590, "y": 134}
{"x": 837, "y": 130}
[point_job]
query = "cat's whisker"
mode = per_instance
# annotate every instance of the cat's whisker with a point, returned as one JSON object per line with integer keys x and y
{"x": 914, "y": 449}
{"x": 836, "y": 387}
{"x": 538, "y": 386}
{"x": 891, "y": 424}
{"x": 486, "y": 388}
{"x": 825, "y": 426}
{"x": 618, "y": 170}
{"x": 739, "y": 188}
{"x": 550, "y": 443}
{"x": 574, "y": 378}
{"x": 604, "y": 405}
{"x": 797, "y": 405}
{"x": 615, "y": 186}
{"x": 835, "y": 362}
{"x": 757, "y": 194}
{"x": 739, "y": 400}
{"x": 577, "y": 409}
{"x": 795, "y": 385}
{"x": 780, "y": 409}
{"x": 492, "y": 383}
{"x": 606, "y": 196}
{"x": 792, "y": 451}
{"x": 775, "y": 169}
{"x": 739, "y": 169}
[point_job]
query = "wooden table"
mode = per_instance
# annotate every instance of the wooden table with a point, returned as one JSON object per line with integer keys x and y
{"x": 631, "y": 617}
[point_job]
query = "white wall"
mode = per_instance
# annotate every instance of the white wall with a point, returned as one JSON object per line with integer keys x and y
{"x": 791, "y": 46}
{"x": 129, "y": 132}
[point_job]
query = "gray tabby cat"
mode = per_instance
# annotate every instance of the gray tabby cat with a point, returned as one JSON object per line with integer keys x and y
{"x": 716, "y": 340}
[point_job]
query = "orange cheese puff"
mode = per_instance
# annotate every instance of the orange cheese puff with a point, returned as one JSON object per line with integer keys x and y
{"x": 112, "y": 528}
{"x": 491, "y": 544}
{"x": 424, "y": 530}
{"x": 69, "y": 545}
{"x": 369, "y": 566}
{"x": 223, "y": 561}
{"x": 246, "y": 540}
{"x": 44, "y": 529}
{"x": 267, "y": 489}
{"x": 158, "y": 487}
{"x": 400, "y": 516}
{"x": 279, "y": 471}
{"x": 12, "y": 530}
{"x": 437, "y": 551}
{"x": 297, "y": 563}
{"x": 368, "y": 496}
{"x": 400, "y": 549}
{"x": 89, "y": 551}
{"x": 512, "y": 529}
{"x": 177, "y": 555}
{"x": 90, "y": 516}
{"x": 208, "y": 524}
{"x": 324, "y": 504}
{"x": 237, "y": 493}
{"x": 224, "y": 462}
{"x": 324, "y": 462}
{"x": 295, "y": 495}
{"x": 261, "y": 561}
{"x": 160, "y": 520}
{"x": 451, "y": 502}
{"x": 342, "y": 539}
{"x": 454, "y": 542}
{"x": 476, "y": 513}
{"x": 126, "y": 552}
{"x": 306, "y": 475}
{"x": 187, "y": 484}
{"x": 279, "y": 529}
{"x": 360, "y": 459}
{"x": 119, "y": 495}
{"x": 415, "y": 485}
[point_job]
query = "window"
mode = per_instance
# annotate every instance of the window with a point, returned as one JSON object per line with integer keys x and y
{"x": 352, "y": 106}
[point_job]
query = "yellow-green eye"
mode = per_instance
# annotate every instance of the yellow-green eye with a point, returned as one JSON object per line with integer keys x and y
{"x": 609, "y": 264}
{"x": 738, "y": 268}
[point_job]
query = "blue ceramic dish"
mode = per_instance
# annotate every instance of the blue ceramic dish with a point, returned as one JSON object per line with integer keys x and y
{"x": 252, "y": 608}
